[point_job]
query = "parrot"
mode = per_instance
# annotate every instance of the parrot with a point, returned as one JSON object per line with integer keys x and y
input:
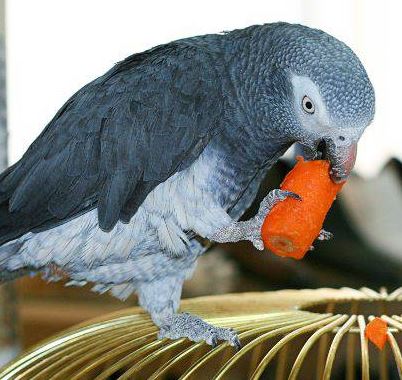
{"x": 145, "y": 166}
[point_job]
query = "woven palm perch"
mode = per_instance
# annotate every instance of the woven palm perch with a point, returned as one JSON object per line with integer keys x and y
{"x": 307, "y": 334}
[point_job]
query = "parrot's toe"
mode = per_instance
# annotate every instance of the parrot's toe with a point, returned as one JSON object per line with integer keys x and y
{"x": 273, "y": 197}
{"x": 289, "y": 194}
{"x": 185, "y": 325}
{"x": 258, "y": 243}
{"x": 325, "y": 235}
{"x": 235, "y": 342}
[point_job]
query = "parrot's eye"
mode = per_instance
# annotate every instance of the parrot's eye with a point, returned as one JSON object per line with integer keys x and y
{"x": 308, "y": 105}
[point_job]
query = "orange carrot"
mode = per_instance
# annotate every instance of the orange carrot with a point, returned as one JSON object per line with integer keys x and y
{"x": 376, "y": 332}
{"x": 292, "y": 225}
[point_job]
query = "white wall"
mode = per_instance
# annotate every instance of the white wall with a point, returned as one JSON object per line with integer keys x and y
{"x": 55, "y": 47}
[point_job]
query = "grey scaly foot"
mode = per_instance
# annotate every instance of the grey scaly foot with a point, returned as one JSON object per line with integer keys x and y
{"x": 251, "y": 229}
{"x": 185, "y": 325}
{"x": 325, "y": 235}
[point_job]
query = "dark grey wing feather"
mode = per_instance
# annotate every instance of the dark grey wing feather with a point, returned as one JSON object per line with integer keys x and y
{"x": 115, "y": 140}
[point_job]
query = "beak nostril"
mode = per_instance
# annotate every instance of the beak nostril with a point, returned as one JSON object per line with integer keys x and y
{"x": 322, "y": 149}
{"x": 342, "y": 138}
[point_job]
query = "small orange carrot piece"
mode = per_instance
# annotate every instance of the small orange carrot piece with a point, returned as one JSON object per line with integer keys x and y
{"x": 292, "y": 226}
{"x": 376, "y": 332}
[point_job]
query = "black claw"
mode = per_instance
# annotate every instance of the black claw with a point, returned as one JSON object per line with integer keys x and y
{"x": 293, "y": 195}
{"x": 162, "y": 332}
{"x": 237, "y": 344}
{"x": 214, "y": 341}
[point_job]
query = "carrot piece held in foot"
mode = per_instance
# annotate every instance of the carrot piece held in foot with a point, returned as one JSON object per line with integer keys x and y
{"x": 376, "y": 332}
{"x": 292, "y": 226}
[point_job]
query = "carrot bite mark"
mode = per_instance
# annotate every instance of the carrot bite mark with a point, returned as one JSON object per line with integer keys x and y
{"x": 376, "y": 332}
{"x": 292, "y": 226}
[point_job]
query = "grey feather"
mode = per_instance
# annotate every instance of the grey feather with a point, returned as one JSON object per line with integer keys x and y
{"x": 118, "y": 123}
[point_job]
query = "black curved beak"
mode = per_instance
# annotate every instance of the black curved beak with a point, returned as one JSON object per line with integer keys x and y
{"x": 342, "y": 158}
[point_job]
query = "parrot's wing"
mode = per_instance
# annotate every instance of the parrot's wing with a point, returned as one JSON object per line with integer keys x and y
{"x": 114, "y": 141}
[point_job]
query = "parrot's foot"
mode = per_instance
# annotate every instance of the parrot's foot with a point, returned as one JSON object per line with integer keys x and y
{"x": 251, "y": 229}
{"x": 325, "y": 235}
{"x": 185, "y": 325}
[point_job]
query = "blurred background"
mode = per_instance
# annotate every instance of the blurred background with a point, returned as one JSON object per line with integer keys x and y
{"x": 49, "y": 49}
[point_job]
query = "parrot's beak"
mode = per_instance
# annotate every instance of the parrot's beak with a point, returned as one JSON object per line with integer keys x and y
{"x": 342, "y": 158}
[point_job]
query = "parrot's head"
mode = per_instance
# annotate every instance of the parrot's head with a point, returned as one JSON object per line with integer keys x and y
{"x": 318, "y": 93}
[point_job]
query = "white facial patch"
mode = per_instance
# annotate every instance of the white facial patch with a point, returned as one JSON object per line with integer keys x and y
{"x": 319, "y": 123}
{"x": 312, "y": 122}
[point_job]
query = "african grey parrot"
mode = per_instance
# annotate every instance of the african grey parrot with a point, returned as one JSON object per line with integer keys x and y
{"x": 167, "y": 149}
